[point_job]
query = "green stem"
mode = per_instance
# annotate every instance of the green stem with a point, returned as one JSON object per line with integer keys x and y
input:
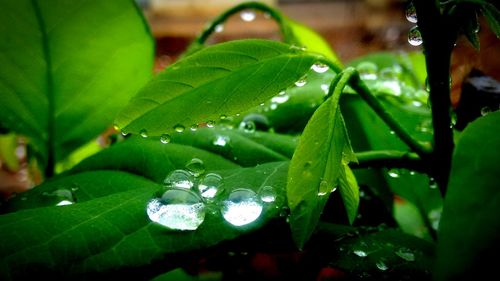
{"x": 438, "y": 39}
{"x": 51, "y": 161}
{"x": 389, "y": 159}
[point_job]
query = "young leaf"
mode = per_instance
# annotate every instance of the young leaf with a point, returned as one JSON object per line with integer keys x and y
{"x": 316, "y": 166}
{"x": 68, "y": 67}
{"x": 469, "y": 230}
{"x": 112, "y": 233}
{"x": 224, "y": 79}
{"x": 349, "y": 191}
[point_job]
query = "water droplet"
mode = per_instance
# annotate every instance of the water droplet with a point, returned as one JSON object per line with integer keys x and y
{"x": 324, "y": 188}
{"x": 435, "y": 217}
{"x": 179, "y": 179}
{"x": 219, "y": 28}
{"x": 222, "y": 117}
{"x": 360, "y": 253}
{"x": 116, "y": 127}
{"x": 319, "y": 68}
{"x": 64, "y": 203}
{"x": 241, "y": 207}
{"x": 247, "y": 15}
{"x": 247, "y": 126}
{"x": 485, "y": 110}
{"x": 165, "y": 138}
{"x": 194, "y": 127}
{"x": 325, "y": 88}
{"x": 143, "y": 133}
{"x": 221, "y": 140}
{"x": 299, "y": 48}
{"x": 210, "y": 124}
{"x": 210, "y": 185}
{"x": 196, "y": 167}
{"x": 381, "y": 265}
{"x": 411, "y": 13}
{"x": 280, "y": 98}
{"x": 393, "y": 173}
{"x": 124, "y": 133}
{"x": 177, "y": 209}
{"x": 267, "y": 194}
{"x": 405, "y": 254}
{"x": 179, "y": 128}
{"x": 389, "y": 73}
{"x": 432, "y": 183}
{"x": 367, "y": 70}
{"x": 301, "y": 82}
{"x": 414, "y": 36}
{"x": 63, "y": 196}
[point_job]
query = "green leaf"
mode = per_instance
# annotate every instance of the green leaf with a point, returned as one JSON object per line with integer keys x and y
{"x": 8, "y": 145}
{"x": 469, "y": 230}
{"x": 68, "y": 67}
{"x": 349, "y": 191}
{"x": 315, "y": 168}
{"x": 224, "y": 79}
{"x": 493, "y": 17}
{"x": 112, "y": 233}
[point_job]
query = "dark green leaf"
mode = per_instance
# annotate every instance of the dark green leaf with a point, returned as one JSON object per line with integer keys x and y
{"x": 349, "y": 190}
{"x": 469, "y": 230}
{"x": 68, "y": 67}
{"x": 113, "y": 232}
{"x": 224, "y": 79}
{"x": 493, "y": 17}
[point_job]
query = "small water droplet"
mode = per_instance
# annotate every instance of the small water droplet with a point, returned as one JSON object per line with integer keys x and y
{"x": 241, "y": 207}
{"x": 432, "y": 183}
{"x": 319, "y": 68}
{"x": 301, "y": 82}
{"x": 247, "y": 15}
{"x": 405, "y": 254}
{"x": 210, "y": 124}
{"x": 435, "y": 218}
{"x": 360, "y": 253}
{"x": 267, "y": 194}
{"x": 196, "y": 167}
{"x": 325, "y": 88}
{"x": 177, "y": 209}
{"x": 389, "y": 73}
{"x": 210, "y": 185}
{"x": 124, "y": 133}
{"x": 393, "y": 173}
{"x": 219, "y": 28}
{"x": 64, "y": 203}
{"x": 63, "y": 196}
{"x": 298, "y": 48}
{"x": 144, "y": 133}
{"x": 165, "y": 138}
{"x": 221, "y": 140}
{"x": 179, "y": 179}
{"x": 116, "y": 127}
{"x": 392, "y": 132}
{"x": 194, "y": 127}
{"x": 381, "y": 265}
{"x": 280, "y": 98}
{"x": 222, "y": 117}
{"x": 179, "y": 128}
{"x": 485, "y": 110}
{"x": 367, "y": 70}
{"x": 414, "y": 36}
{"x": 411, "y": 13}
{"x": 247, "y": 126}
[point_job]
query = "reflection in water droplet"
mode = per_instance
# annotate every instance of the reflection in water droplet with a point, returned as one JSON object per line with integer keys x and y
{"x": 179, "y": 128}
{"x": 367, "y": 70}
{"x": 247, "y": 126}
{"x": 360, "y": 253}
{"x": 179, "y": 179}
{"x": 64, "y": 196}
{"x": 393, "y": 173}
{"x": 241, "y": 207}
{"x": 196, "y": 167}
{"x": 165, "y": 138}
{"x": 319, "y": 67}
{"x": 219, "y": 28}
{"x": 411, "y": 13}
{"x": 177, "y": 209}
{"x": 247, "y": 15}
{"x": 405, "y": 254}
{"x": 381, "y": 265}
{"x": 267, "y": 194}
{"x": 280, "y": 98}
{"x": 64, "y": 203}
{"x": 194, "y": 127}
{"x": 143, "y": 133}
{"x": 301, "y": 82}
{"x": 210, "y": 185}
{"x": 414, "y": 37}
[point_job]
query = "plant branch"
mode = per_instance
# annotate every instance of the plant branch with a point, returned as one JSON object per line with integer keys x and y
{"x": 389, "y": 159}
{"x": 438, "y": 39}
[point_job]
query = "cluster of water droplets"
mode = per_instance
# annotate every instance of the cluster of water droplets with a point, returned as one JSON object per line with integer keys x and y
{"x": 382, "y": 263}
{"x": 190, "y": 193}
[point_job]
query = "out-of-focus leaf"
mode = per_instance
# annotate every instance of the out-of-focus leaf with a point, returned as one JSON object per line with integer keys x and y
{"x": 8, "y": 145}
{"x": 349, "y": 190}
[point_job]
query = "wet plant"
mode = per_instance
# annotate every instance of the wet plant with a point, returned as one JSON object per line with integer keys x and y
{"x": 248, "y": 159}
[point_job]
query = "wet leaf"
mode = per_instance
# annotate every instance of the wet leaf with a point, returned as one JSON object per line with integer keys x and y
{"x": 469, "y": 230}
{"x": 349, "y": 190}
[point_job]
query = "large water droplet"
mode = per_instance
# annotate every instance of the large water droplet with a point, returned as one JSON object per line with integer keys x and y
{"x": 324, "y": 188}
{"x": 165, "y": 138}
{"x": 210, "y": 185}
{"x": 179, "y": 128}
{"x": 219, "y": 28}
{"x": 241, "y": 207}
{"x": 360, "y": 253}
{"x": 247, "y": 15}
{"x": 62, "y": 196}
{"x": 319, "y": 68}
{"x": 411, "y": 13}
{"x": 177, "y": 209}
{"x": 144, "y": 133}
{"x": 405, "y": 254}
{"x": 247, "y": 126}
{"x": 267, "y": 194}
{"x": 179, "y": 179}
{"x": 367, "y": 70}
{"x": 414, "y": 36}
{"x": 381, "y": 265}
{"x": 196, "y": 167}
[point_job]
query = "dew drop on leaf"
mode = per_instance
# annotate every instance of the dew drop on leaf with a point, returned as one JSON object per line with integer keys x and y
{"x": 196, "y": 167}
{"x": 319, "y": 68}
{"x": 393, "y": 173}
{"x": 247, "y": 126}
{"x": 301, "y": 82}
{"x": 210, "y": 124}
{"x": 411, "y": 13}
{"x": 221, "y": 140}
{"x": 248, "y": 15}
{"x": 406, "y": 254}
{"x": 194, "y": 127}
{"x": 367, "y": 70}
{"x": 177, "y": 209}
{"x": 281, "y": 98}
{"x": 381, "y": 265}
{"x": 165, "y": 138}
{"x": 179, "y": 128}
{"x": 485, "y": 111}
{"x": 414, "y": 36}
{"x": 241, "y": 207}
{"x": 360, "y": 253}
{"x": 267, "y": 194}
{"x": 143, "y": 133}
{"x": 179, "y": 179}
{"x": 210, "y": 185}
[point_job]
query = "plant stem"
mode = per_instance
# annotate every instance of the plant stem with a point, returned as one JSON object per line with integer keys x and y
{"x": 438, "y": 39}
{"x": 389, "y": 159}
